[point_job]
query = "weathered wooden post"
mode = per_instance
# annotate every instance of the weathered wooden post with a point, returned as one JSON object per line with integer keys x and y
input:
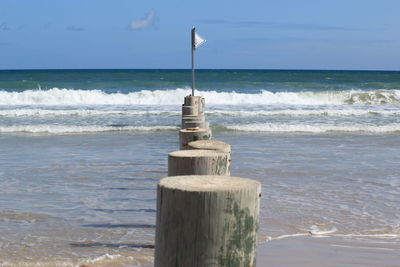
{"x": 193, "y": 112}
{"x": 194, "y": 124}
{"x": 191, "y": 100}
{"x": 198, "y": 162}
{"x": 190, "y": 118}
{"x": 210, "y": 145}
{"x": 207, "y": 221}
{"x": 192, "y": 134}
{"x": 202, "y": 104}
{"x": 192, "y": 105}
{"x": 190, "y": 111}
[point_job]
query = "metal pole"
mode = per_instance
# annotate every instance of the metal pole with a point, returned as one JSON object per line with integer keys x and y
{"x": 193, "y": 48}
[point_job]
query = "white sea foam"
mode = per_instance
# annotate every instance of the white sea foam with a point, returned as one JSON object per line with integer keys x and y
{"x": 64, "y": 97}
{"x": 270, "y": 238}
{"x": 304, "y": 112}
{"x": 267, "y": 127}
{"x": 328, "y": 233}
{"x": 104, "y": 257}
{"x": 67, "y": 97}
{"x": 318, "y": 231}
{"x": 65, "y": 129}
{"x": 315, "y": 128}
{"x": 375, "y": 97}
{"x": 82, "y": 112}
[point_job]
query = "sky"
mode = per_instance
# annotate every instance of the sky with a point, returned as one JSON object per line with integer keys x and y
{"x": 252, "y": 34}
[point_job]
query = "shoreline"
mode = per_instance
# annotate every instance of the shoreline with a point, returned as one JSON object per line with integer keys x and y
{"x": 329, "y": 251}
{"x": 292, "y": 251}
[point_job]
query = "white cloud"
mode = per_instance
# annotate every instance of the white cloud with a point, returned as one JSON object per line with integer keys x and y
{"x": 144, "y": 23}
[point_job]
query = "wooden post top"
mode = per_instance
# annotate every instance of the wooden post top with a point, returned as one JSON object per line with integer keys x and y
{"x": 210, "y": 145}
{"x": 208, "y": 183}
{"x": 196, "y": 153}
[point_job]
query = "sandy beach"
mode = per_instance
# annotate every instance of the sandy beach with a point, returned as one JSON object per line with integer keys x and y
{"x": 328, "y": 251}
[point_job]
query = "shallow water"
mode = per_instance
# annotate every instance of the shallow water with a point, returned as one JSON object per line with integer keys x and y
{"x": 81, "y": 198}
{"x": 81, "y": 152}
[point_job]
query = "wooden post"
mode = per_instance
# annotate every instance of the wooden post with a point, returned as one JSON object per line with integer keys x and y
{"x": 189, "y": 118}
{"x": 202, "y": 105}
{"x": 210, "y": 145}
{"x": 190, "y": 111}
{"x": 192, "y": 134}
{"x": 193, "y": 110}
{"x": 199, "y": 117}
{"x": 194, "y": 124}
{"x": 198, "y": 162}
{"x": 191, "y": 100}
{"x": 207, "y": 221}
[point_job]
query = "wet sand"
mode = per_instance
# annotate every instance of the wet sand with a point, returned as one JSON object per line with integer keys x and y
{"x": 322, "y": 251}
{"x": 328, "y": 251}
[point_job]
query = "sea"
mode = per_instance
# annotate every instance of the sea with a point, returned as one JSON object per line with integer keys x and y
{"x": 81, "y": 153}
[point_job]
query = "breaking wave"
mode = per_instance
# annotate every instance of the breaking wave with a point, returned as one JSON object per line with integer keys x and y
{"x": 67, "y": 129}
{"x": 256, "y": 127}
{"x": 315, "y": 128}
{"x": 67, "y": 97}
{"x": 303, "y": 112}
{"x": 35, "y": 112}
{"x": 82, "y": 112}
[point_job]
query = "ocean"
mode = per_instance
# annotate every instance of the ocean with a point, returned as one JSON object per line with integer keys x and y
{"x": 81, "y": 152}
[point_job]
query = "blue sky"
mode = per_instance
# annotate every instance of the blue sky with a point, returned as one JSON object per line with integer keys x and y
{"x": 267, "y": 34}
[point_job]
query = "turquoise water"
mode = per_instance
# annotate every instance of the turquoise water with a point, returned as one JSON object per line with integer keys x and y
{"x": 81, "y": 152}
{"x": 242, "y": 81}
{"x": 74, "y": 101}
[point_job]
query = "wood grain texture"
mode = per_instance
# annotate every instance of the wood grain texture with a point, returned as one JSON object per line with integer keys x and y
{"x": 194, "y": 124}
{"x": 187, "y": 135}
{"x": 198, "y": 162}
{"x": 210, "y": 145}
{"x": 190, "y": 118}
{"x": 207, "y": 221}
{"x": 192, "y": 100}
{"x": 190, "y": 110}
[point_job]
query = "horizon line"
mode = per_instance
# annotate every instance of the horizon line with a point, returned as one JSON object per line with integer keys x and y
{"x": 188, "y": 69}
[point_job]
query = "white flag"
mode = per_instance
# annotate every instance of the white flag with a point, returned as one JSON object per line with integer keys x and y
{"x": 198, "y": 40}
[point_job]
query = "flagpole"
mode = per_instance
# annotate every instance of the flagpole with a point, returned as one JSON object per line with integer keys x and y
{"x": 193, "y": 48}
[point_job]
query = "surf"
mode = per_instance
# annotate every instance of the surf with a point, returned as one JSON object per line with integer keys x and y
{"x": 74, "y": 97}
